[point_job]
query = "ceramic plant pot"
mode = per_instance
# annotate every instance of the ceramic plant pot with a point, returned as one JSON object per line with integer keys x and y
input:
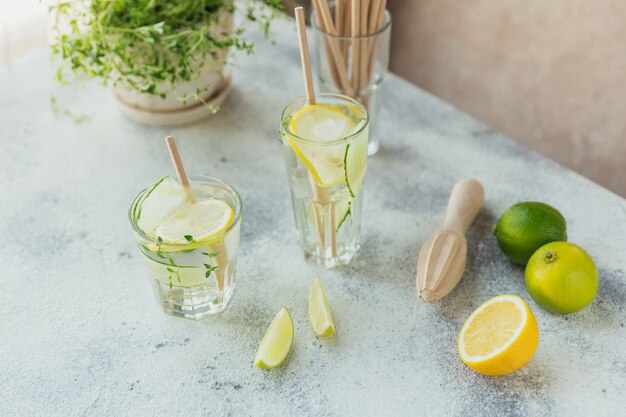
{"x": 154, "y": 110}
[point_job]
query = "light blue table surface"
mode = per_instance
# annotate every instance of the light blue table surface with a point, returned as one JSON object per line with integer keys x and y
{"x": 81, "y": 333}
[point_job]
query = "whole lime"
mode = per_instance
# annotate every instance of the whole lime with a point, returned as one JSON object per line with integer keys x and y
{"x": 561, "y": 277}
{"x": 525, "y": 227}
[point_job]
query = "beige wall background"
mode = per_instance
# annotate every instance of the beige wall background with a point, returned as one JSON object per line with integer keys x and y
{"x": 549, "y": 73}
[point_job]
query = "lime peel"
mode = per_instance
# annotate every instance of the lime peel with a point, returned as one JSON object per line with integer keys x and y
{"x": 137, "y": 208}
{"x": 345, "y": 170}
{"x": 345, "y": 216}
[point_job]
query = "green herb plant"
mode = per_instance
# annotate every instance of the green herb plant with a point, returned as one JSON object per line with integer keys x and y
{"x": 150, "y": 45}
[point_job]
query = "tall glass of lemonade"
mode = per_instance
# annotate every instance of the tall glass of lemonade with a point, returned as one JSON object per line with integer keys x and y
{"x": 325, "y": 150}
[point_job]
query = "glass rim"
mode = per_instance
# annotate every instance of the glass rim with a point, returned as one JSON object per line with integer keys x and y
{"x": 339, "y": 141}
{"x": 192, "y": 178}
{"x": 385, "y": 27}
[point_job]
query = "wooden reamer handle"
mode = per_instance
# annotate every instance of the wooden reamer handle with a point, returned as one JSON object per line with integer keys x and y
{"x": 465, "y": 201}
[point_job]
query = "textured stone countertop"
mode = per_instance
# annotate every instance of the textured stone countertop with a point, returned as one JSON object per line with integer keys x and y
{"x": 82, "y": 334}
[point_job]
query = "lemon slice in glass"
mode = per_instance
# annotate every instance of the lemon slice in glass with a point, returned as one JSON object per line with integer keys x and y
{"x": 277, "y": 342}
{"x": 319, "y": 311}
{"x": 201, "y": 221}
{"x": 322, "y": 124}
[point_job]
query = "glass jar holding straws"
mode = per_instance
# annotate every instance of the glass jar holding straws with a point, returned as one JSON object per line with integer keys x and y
{"x": 352, "y": 52}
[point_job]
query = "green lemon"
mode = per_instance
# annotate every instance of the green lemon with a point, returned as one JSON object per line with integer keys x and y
{"x": 561, "y": 277}
{"x": 525, "y": 227}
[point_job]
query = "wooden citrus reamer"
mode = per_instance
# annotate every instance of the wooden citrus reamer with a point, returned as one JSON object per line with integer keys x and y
{"x": 319, "y": 193}
{"x": 221, "y": 259}
{"x": 442, "y": 258}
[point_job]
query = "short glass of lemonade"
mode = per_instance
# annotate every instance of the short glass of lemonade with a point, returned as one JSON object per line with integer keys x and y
{"x": 190, "y": 249}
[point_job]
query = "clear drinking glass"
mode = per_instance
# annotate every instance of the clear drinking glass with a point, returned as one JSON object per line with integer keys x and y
{"x": 195, "y": 277}
{"x": 326, "y": 179}
{"x": 354, "y": 66}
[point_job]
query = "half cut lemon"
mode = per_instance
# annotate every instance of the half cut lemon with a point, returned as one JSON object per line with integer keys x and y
{"x": 499, "y": 337}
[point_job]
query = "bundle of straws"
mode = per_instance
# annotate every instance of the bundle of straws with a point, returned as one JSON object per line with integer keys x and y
{"x": 351, "y": 55}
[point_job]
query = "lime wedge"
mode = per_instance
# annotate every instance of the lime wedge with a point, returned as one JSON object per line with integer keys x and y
{"x": 200, "y": 221}
{"x": 277, "y": 342}
{"x": 319, "y": 312}
{"x": 322, "y": 124}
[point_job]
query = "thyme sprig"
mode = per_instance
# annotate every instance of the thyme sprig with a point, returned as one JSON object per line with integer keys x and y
{"x": 57, "y": 109}
{"x": 210, "y": 267}
{"x": 174, "y": 269}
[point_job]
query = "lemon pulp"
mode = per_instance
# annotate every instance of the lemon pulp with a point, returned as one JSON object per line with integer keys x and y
{"x": 499, "y": 337}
